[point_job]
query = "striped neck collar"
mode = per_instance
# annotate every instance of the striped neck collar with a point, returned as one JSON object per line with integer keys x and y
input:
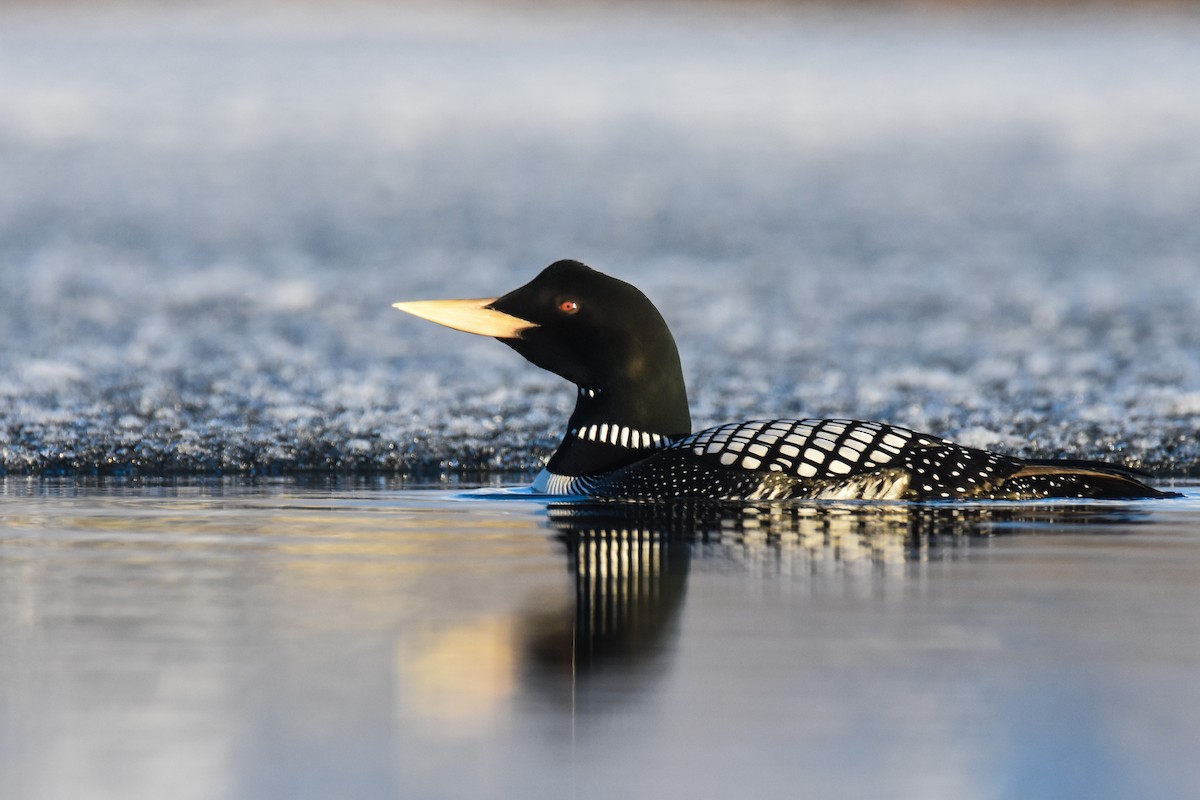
{"x": 610, "y": 429}
{"x": 619, "y": 436}
{"x": 602, "y": 447}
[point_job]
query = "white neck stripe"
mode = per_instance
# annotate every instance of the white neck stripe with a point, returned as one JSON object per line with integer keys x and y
{"x": 619, "y": 435}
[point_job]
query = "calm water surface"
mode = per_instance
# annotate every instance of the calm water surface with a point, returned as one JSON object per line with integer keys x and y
{"x": 237, "y": 640}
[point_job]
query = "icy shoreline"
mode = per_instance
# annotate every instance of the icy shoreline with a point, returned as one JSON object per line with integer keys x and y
{"x": 981, "y": 227}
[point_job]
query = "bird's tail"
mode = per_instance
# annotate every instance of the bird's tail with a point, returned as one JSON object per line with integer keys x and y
{"x": 1076, "y": 478}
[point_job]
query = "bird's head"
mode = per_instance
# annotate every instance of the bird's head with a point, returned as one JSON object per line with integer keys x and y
{"x": 592, "y": 329}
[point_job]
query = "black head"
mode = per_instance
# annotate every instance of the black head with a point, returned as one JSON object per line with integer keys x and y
{"x": 591, "y": 329}
{"x": 600, "y": 333}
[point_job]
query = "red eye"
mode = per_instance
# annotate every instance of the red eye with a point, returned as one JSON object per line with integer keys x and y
{"x": 568, "y": 306}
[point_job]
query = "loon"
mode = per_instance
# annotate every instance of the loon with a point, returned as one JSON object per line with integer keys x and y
{"x": 630, "y": 436}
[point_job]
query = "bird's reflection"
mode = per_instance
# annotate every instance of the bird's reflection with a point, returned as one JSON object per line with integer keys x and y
{"x": 629, "y": 577}
{"x": 630, "y": 562}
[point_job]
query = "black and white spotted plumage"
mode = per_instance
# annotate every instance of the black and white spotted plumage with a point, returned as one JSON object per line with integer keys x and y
{"x": 630, "y": 434}
{"x": 842, "y": 459}
{"x": 837, "y": 459}
{"x": 784, "y": 458}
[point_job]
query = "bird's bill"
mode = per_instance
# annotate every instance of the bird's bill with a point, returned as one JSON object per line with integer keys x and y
{"x": 472, "y": 316}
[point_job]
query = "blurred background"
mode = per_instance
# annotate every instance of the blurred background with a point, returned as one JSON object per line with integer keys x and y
{"x": 974, "y": 219}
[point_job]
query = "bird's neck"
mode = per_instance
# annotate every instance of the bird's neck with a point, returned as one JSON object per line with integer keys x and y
{"x": 611, "y": 428}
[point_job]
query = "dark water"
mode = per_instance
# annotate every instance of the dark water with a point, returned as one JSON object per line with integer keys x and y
{"x": 224, "y": 639}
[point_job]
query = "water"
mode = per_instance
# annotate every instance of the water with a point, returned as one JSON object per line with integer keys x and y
{"x": 271, "y": 639}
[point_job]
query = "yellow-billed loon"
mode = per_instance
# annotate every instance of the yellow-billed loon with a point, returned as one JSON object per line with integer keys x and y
{"x": 630, "y": 436}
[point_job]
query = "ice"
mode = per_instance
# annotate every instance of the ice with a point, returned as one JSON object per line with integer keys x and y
{"x": 978, "y": 224}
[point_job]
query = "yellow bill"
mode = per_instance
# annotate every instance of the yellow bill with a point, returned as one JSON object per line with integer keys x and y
{"x": 472, "y": 316}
